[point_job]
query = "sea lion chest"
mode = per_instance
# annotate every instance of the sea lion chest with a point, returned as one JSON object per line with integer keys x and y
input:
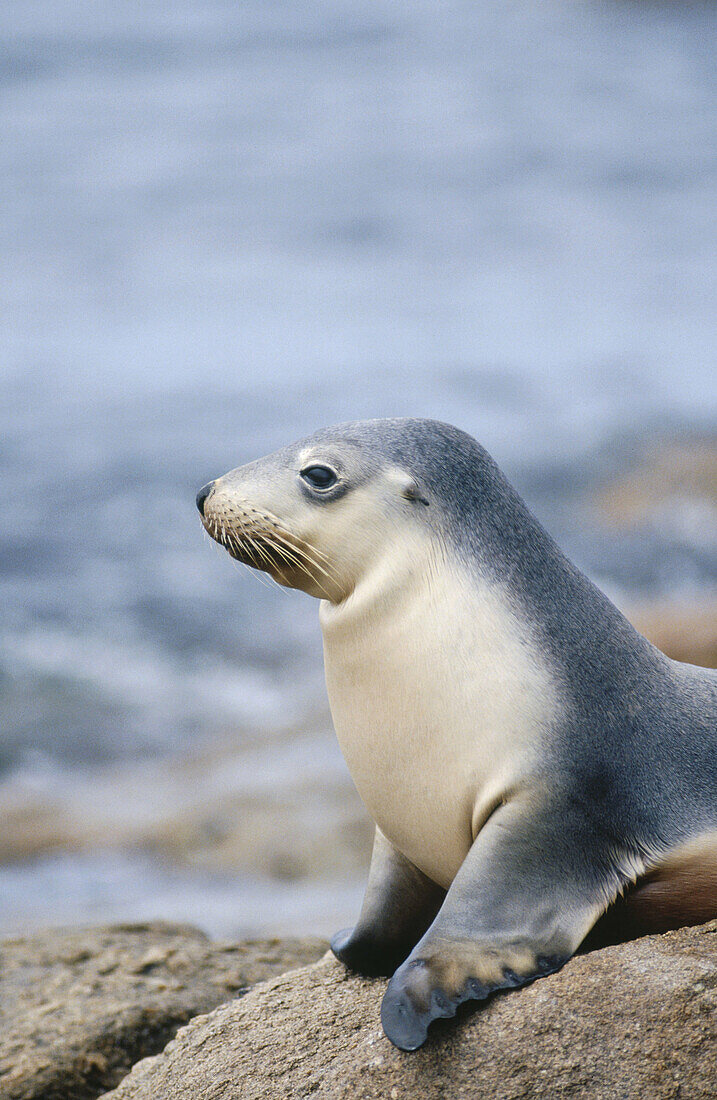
{"x": 440, "y": 702}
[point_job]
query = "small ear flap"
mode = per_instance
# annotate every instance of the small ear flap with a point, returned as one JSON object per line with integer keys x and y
{"x": 408, "y": 486}
{"x": 413, "y": 491}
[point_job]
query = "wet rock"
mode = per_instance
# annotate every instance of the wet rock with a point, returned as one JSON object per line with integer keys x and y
{"x": 635, "y": 1020}
{"x": 78, "y": 1008}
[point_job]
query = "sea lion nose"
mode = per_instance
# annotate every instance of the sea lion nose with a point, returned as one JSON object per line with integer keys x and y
{"x": 203, "y": 494}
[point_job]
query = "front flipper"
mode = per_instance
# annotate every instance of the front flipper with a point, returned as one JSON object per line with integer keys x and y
{"x": 531, "y": 887}
{"x": 399, "y": 904}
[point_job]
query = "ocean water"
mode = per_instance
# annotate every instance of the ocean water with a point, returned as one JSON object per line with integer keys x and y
{"x": 225, "y": 225}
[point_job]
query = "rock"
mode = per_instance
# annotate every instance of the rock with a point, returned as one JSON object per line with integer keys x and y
{"x": 636, "y": 1020}
{"x": 78, "y": 1008}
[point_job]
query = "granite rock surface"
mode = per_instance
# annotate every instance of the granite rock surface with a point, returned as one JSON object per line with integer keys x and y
{"x": 78, "y": 1008}
{"x": 634, "y": 1020}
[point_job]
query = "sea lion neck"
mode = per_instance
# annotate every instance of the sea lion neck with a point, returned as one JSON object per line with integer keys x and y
{"x": 395, "y": 571}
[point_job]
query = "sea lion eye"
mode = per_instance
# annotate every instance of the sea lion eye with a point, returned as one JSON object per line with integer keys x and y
{"x": 319, "y": 477}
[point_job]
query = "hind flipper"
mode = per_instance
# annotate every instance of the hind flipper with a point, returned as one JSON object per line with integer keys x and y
{"x": 681, "y": 890}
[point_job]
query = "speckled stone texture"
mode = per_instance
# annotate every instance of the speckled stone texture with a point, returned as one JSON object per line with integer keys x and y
{"x": 78, "y": 1008}
{"x": 636, "y": 1020}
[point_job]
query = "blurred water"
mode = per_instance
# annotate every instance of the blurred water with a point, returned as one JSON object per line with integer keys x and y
{"x": 225, "y": 225}
{"x": 73, "y": 890}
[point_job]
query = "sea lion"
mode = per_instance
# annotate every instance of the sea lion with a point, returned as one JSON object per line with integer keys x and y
{"x": 526, "y": 755}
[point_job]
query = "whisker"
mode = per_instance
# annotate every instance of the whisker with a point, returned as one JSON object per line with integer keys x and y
{"x": 281, "y": 550}
{"x": 319, "y": 553}
{"x": 296, "y": 560}
{"x": 302, "y": 548}
{"x": 238, "y": 546}
{"x": 332, "y": 576}
{"x": 288, "y": 536}
{"x": 263, "y": 555}
{"x": 302, "y": 559}
{"x": 282, "y": 554}
{"x": 285, "y": 547}
{"x": 266, "y": 557}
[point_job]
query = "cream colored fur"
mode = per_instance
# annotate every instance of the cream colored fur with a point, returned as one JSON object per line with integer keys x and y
{"x": 440, "y": 698}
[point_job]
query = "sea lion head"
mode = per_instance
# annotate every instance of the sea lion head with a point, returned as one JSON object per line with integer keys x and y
{"x": 316, "y": 514}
